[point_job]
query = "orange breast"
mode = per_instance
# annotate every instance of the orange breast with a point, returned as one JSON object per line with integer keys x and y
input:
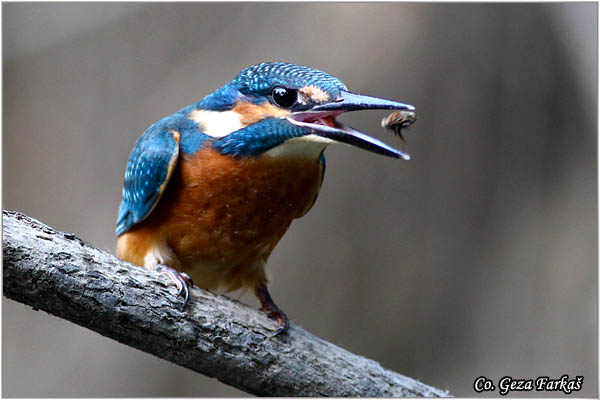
{"x": 228, "y": 211}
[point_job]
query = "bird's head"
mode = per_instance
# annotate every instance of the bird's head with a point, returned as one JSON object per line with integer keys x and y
{"x": 274, "y": 103}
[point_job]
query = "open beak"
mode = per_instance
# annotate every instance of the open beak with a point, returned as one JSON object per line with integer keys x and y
{"x": 321, "y": 121}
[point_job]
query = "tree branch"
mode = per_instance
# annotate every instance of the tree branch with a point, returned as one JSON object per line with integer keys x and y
{"x": 214, "y": 335}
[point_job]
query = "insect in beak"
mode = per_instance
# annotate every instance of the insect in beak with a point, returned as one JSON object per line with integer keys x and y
{"x": 397, "y": 121}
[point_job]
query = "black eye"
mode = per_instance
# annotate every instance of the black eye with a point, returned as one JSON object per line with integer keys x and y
{"x": 284, "y": 97}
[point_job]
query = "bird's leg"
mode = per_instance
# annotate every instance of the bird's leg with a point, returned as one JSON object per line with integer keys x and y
{"x": 270, "y": 308}
{"x": 181, "y": 279}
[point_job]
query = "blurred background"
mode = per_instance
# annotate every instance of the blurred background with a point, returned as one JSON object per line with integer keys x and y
{"x": 477, "y": 257}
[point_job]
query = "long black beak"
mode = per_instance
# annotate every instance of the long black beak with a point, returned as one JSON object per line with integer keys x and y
{"x": 314, "y": 118}
{"x": 348, "y": 101}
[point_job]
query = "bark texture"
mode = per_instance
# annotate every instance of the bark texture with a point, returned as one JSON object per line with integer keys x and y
{"x": 216, "y": 336}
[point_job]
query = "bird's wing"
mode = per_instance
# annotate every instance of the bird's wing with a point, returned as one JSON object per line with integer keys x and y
{"x": 149, "y": 168}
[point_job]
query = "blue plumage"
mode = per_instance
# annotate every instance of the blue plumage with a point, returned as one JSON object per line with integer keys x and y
{"x": 260, "y": 79}
{"x": 147, "y": 170}
{"x": 254, "y": 83}
{"x": 259, "y": 137}
{"x": 221, "y": 99}
{"x": 152, "y": 159}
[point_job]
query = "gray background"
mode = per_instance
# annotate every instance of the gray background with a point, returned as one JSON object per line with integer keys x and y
{"x": 477, "y": 257}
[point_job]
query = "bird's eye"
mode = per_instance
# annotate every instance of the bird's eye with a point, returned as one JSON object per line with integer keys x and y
{"x": 284, "y": 97}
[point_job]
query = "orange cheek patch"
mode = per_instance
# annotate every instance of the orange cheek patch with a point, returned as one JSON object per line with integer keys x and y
{"x": 251, "y": 113}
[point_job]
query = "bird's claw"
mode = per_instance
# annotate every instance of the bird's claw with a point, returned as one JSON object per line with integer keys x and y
{"x": 269, "y": 307}
{"x": 283, "y": 323}
{"x": 181, "y": 280}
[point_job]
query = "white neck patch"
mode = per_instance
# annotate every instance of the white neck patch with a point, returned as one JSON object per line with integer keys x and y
{"x": 217, "y": 124}
{"x": 305, "y": 146}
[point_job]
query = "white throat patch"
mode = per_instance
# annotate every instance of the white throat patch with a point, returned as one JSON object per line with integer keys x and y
{"x": 304, "y": 146}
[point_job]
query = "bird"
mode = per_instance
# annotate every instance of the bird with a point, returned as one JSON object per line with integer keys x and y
{"x": 211, "y": 189}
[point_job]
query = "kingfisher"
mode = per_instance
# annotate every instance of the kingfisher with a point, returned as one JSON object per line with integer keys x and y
{"x": 211, "y": 189}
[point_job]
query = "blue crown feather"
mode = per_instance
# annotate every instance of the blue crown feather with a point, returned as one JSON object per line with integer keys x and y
{"x": 261, "y": 78}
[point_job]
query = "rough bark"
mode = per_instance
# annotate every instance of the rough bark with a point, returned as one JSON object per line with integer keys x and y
{"x": 216, "y": 336}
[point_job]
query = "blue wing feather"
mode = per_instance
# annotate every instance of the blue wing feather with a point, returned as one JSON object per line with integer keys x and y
{"x": 149, "y": 168}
